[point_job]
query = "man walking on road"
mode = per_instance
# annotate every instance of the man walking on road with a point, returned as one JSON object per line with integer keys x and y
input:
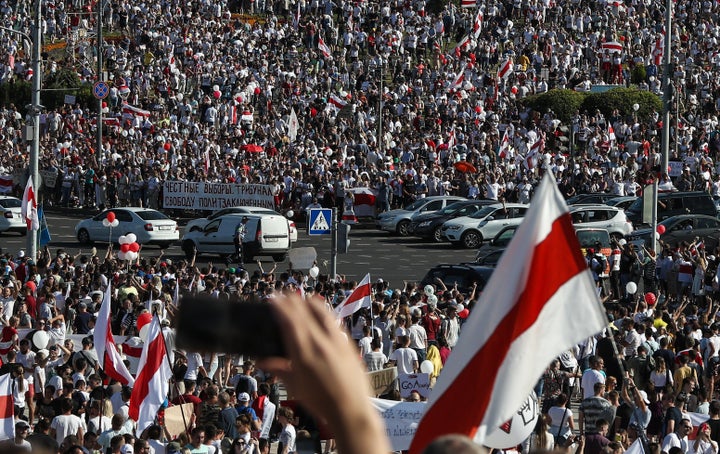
{"x": 239, "y": 238}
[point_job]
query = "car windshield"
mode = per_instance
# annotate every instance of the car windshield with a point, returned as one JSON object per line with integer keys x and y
{"x": 416, "y": 205}
{"x": 589, "y": 238}
{"x": 636, "y": 206}
{"x": 452, "y": 208}
{"x": 151, "y": 215}
{"x": 483, "y": 212}
{"x": 10, "y": 203}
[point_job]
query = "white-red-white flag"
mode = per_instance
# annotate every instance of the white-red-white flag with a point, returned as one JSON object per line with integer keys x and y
{"x": 206, "y": 160}
{"x": 108, "y": 356}
{"x": 468, "y": 3}
{"x": 537, "y": 148}
{"x": 7, "y": 420}
{"x": 612, "y": 46}
{"x": 505, "y": 69}
{"x": 477, "y": 25}
{"x": 459, "y": 79}
{"x": 136, "y": 111}
{"x": 327, "y": 53}
{"x": 28, "y": 209}
{"x": 658, "y": 50}
{"x": 516, "y": 328}
{"x": 337, "y": 101}
{"x": 153, "y": 378}
{"x": 504, "y": 145}
{"x": 358, "y": 298}
{"x": 611, "y": 133}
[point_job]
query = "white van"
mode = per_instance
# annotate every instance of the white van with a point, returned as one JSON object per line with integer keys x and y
{"x": 265, "y": 235}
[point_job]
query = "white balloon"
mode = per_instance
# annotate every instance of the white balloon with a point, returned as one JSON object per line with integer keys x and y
{"x": 122, "y": 239}
{"x": 429, "y": 290}
{"x": 290, "y": 214}
{"x": 106, "y": 223}
{"x": 124, "y": 133}
{"x": 460, "y": 308}
{"x": 40, "y": 339}
{"x": 131, "y": 255}
{"x": 179, "y": 96}
{"x": 216, "y": 87}
{"x": 131, "y": 238}
{"x": 144, "y": 332}
{"x": 427, "y": 367}
{"x": 114, "y": 223}
{"x": 122, "y": 255}
{"x": 636, "y": 106}
{"x": 432, "y": 299}
{"x": 657, "y": 235}
{"x": 631, "y": 288}
{"x": 314, "y": 272}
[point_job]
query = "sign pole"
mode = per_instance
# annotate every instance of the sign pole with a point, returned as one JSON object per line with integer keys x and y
{"x": 333, "y": 245}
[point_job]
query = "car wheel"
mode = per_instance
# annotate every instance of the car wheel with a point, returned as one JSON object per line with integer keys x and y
{"x": 437, "y": 235}
{"x": 83, "y": 236}
{"x": 471, "y": 239}
{"x": 190, "y": 250}
{"x": 279, "y": 257}
{"x": 403, "y": 228}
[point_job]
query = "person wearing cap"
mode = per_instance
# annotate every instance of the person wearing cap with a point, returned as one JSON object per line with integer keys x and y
{"x": 641, "y": 414}
{"x": 127, "y": 449}
{"x": 19, "y": 443}
{"x": 678, "y": 438}
{"x": 243, "y": 407}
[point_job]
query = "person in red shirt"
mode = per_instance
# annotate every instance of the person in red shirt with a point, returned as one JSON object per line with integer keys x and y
{"x": 189, "y": 398}
{"x": 431, "y": 322}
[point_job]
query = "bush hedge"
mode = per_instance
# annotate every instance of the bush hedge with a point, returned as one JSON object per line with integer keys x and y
{"x": 19, "y": 92}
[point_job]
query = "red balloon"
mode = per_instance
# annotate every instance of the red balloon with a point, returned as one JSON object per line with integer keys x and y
{"x": 104, "y": 105}
{"x": 257, "y": 90}
{"x": 650, "y": 298}
{"x": 217, "y": 94}
{"x": 110, "y": 216}
{"x": 167, "y": 146}
{"x": 125, "y": 247}
{"x": 661, "y": 229}
{"x": 143, "y": 319}
{"x": 514, "y": 90}
{"x": 134, "y": 247}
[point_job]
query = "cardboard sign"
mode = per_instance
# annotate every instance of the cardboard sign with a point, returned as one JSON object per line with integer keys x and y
{"x": 414, "y": 382}
{"x": 675, "y": 168}
{"x": 174, "y": 421}
{"x": 401, "y": 420}
{"x": 193, "y": 195}
{"x": 383, "y": 381}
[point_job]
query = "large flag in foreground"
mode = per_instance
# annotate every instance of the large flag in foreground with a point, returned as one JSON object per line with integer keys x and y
{"x": 7, "y": 420}
{"x": 109, "y": 358}
{"x": 152, "y": 382}
{"x": 517, "y": 327}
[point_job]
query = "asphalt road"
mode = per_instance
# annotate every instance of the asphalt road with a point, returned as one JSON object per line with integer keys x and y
{"x": 383, "y": 255}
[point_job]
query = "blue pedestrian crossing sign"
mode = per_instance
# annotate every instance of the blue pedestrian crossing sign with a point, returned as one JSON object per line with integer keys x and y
{"x": 319, "y": 221}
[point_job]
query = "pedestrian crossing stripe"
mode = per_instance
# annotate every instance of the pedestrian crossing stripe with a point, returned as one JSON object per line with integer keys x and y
{"x": 320, "y": 223}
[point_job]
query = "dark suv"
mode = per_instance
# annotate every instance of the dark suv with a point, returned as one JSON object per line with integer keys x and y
{"x": 674, "y": 204}
{"x": 463, "y": 274}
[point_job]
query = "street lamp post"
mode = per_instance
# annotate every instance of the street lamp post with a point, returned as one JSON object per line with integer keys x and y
{"x": 100, "y": 151}
{"x": 36, "y": 107}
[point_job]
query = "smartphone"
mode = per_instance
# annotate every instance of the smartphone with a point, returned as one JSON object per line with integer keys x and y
{"x": 211, "y": 325}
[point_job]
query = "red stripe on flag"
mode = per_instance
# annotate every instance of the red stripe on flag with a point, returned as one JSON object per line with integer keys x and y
{"x": 469, "y": 407}
{"x": 359, "y": 293}
{"x": 142, "y": 381}
{"x": 6, "y": 407}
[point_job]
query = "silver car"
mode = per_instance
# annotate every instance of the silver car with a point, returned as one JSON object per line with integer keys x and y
{"x": 398, "y": 221}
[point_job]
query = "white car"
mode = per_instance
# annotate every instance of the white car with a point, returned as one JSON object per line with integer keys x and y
{"x": 150, "y": 227}
{"x": 10, "y": 218}
{"x": 200, "y": 223}
{"x": 483, "y": 225}
{"x": 601, "y": 216}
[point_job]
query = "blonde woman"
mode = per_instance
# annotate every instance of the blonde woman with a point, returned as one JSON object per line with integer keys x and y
{"x": 661, "y": 377}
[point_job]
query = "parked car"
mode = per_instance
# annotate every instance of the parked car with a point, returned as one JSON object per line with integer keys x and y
{"x": 428, "y": 225}
{"x": 674, "y": 204}
{"x": 200, "y": 223}
{"x": 683, "y": 228}
{"x": 499, "y": 243}
{"x": 265, "y": 235}
{"x": 398, "y": 221}
{"x": 149, "y": 226}
{"x": 10, "y": 217}
{"x": 593, "y": 197}
{"x": 464, "y": 275}
{"x": 471, "y": 231}
{"x": 622, "y": 202}
{"x": 601, "y": 216}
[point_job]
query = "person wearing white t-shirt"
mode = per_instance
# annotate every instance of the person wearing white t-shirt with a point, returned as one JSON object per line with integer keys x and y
{"x": 405, "y": 358}
{"x": 287, "y": 436}
{"x": 66, "y": 423}
{"x": 592, "y": 376}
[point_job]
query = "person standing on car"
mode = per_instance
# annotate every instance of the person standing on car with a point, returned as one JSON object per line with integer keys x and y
{"x": 239, "y": 238}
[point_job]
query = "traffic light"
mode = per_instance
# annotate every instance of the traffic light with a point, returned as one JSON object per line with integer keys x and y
{"x": 343, "y": 241}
